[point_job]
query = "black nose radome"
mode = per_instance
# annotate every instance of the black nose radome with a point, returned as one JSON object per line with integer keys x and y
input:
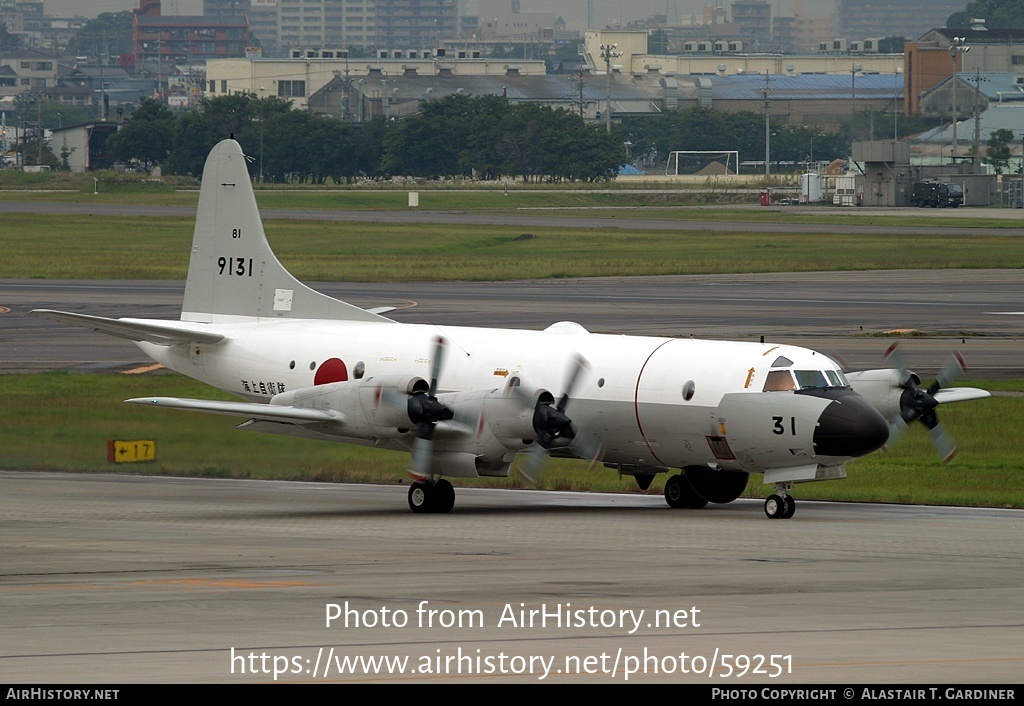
{"x": 850, "y": 427}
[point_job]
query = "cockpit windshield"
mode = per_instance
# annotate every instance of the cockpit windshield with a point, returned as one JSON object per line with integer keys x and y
{"x": 810, "y": 379}
{"x": 780, "y": 380}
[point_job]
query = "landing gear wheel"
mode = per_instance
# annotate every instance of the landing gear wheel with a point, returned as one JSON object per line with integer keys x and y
{"x": 675, "y": 491}
{"x": 422, "y": 496}
{"x": 444, "y": 496}
{"x": 680, "y": 494}
{"x": 790, "y": 507}
{"x": 774, "y": 506}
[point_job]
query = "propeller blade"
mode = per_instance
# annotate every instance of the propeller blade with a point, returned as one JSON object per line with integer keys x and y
{"x": 588, "y": 445}
{"x": 422, "y": 450}
{"x": 953, "y": 371}
{"x": 577, "y": 365}
{"x": 896, "y": 429}
{"x": 894, "y": 356}
{"x": 440, "y": 346}
{"x": 533, "y": 461}
{"x": 426, "y": 411}
{"x": 943, "y": 443}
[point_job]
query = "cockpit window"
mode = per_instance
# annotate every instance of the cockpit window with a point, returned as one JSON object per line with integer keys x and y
{"x": 779, "y": 380}
{"x": 782, "y": 362}
{"x": 836, "y": 378}
{"x": 810, "y": 379}
{"x": 782, "y": 380}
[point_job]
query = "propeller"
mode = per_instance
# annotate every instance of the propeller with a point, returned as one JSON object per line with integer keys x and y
{"x": 425, "y": 410}
{"x": 920, "y": 404}
{"x": 553, "y": 425}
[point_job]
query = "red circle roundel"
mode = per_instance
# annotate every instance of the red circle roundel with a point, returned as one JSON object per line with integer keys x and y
{"x": 331, "y": 370}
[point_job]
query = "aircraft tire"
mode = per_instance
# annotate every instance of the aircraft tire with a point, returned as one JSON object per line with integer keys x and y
{"x": 719, "y": 487}
{"x": 444, "y": 496}
{"x": 675, "y": 491}
{"x": 774, "y": 507}
{"x": 422, "y": 496}
{"x": 790, "y": 507}
{"x": 680, "y": 494}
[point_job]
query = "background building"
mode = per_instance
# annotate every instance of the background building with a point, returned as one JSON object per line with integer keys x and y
{"x": 166, "y": 39}
{"x": 861, "y": 19}
{"x": 414, "y": 24}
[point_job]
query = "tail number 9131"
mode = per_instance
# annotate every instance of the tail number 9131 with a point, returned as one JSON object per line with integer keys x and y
{"x": 235, "y": 266}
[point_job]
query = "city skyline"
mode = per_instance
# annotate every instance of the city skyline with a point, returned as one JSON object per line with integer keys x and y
{"x": 912, "y": 18}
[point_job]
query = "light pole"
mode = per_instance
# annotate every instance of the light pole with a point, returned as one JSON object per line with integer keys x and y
{"x": 956, "y": 49}
{"x": 609, "y": 52}
{"x": 978, "y": 79}
{"x": 895, "y": 105}
{"x": 853, "y": 90}
{"x": 261, "y": 134}
{"x": 767, "y": 127}
{"x": 39, "y": 128}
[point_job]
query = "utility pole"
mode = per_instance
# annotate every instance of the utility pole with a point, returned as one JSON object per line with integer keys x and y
{"x": 39, "y": 128}
{"x": 102, "y": 61}
{"x": 262, "y": 118}
{"x": 956, "y": 49}
{"x": 853, "y": 88}
{"x": 609, "y": 52}
{"x": 766, "y": 92}
{"x": 578, "y": 83}
{"x": 978, "y": 78}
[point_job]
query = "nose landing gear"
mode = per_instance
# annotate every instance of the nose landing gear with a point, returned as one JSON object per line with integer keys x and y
{"x": 779, "y": 505}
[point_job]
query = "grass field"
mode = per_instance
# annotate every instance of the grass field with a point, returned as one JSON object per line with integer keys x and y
{"x": 629, "y": 202}
{"x": 93, "y": 247}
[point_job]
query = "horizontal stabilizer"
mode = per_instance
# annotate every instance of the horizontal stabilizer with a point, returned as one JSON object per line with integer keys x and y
{"x": 960, "y": 394}
{"x": 252, "y": 410}
{"x": 163, "y": 334}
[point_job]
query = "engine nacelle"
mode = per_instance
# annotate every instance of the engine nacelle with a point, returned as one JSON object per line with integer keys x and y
{"x": 373, "y": 408}
{"x": 882, "y": 388}
{"x": 488, "y": 428}
{"x": 502, "y": 413}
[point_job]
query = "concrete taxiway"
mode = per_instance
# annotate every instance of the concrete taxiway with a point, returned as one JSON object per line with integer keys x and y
{"x": 124, "y": 579}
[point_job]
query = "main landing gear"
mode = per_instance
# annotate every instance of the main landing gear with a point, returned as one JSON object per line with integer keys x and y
{"x": 680, "y": 494}
{"x": 431, "y": 496}
{"x": 779, "y": 505}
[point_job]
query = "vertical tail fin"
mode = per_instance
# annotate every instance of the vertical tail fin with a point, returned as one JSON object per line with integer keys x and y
{"x": 233, "y": 274}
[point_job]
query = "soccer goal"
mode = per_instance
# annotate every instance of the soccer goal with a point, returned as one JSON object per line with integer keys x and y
{"x": 701, "y": 161}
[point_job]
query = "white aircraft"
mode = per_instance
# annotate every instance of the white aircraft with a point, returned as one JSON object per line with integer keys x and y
{"x": 466, "y": 401}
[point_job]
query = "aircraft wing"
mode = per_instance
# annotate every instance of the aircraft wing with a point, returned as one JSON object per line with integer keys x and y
{"x": 163, "y": 334}
{"x": 252, "y": 410}
{"x": 960, "y": 394}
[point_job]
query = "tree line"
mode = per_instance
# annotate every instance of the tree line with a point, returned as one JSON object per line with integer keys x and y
{"x": 482, "y": 137}
{"x": 458, "y": 136}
